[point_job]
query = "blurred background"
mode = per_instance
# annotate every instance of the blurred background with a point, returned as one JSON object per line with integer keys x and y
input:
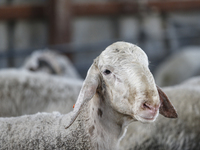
{"x": 81, "y": 29}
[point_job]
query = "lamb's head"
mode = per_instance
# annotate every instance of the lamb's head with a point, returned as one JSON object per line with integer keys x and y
{"x": 129, "y": 83}
{"x": 42, "y": 61}
{"x": 50, "y": 62}
{"x": 122, "y": 73}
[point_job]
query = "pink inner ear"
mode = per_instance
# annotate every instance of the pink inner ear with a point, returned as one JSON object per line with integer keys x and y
{"x": 166, "y": 108}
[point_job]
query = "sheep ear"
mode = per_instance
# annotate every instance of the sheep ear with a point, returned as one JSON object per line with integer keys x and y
{"x": 87, "y": 91}
{"x": 166, "y": 108}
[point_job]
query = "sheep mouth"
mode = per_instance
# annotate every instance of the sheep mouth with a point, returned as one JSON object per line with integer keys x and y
{"x": 150, "y": 118}
{"x": 146, "y": 119}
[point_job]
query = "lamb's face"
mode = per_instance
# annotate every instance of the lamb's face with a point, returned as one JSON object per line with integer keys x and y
{"x": 129, "y": 83}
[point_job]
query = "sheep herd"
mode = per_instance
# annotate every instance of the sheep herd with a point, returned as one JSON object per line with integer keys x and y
{"x": 117, "y": 106}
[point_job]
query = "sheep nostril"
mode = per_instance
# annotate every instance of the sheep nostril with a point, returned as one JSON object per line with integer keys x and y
{"x": 150, "y": 107}
{"x": 146, "y": 106}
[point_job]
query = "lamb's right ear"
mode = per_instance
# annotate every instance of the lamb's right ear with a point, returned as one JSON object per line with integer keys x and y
{"x": 87, "y": 91}
{"x": 166, "y": 108}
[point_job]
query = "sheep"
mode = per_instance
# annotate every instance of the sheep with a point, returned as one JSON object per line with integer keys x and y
{"x": 164, "y": 134}
{"x": 119, "y": 89}
{"x": 179, "y": 67}
{"x": 19, "y": 86}
{"x": 23, "y": 92}
{"x": 50, "y": 62}
{"x": 194, "y": 81}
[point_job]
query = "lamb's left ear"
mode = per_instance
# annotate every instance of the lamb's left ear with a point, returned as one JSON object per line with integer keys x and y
{"x": 166, "y": 108}
{"x": 87, "y": 91}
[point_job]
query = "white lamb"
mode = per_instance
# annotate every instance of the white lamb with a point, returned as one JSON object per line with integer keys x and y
{"x": 24, "y": 92}
{"x": 118, "y": 90}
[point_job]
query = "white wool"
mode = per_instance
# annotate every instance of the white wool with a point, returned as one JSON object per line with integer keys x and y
{"x": 179, "y": 67}
{"x": 23, "y": 92}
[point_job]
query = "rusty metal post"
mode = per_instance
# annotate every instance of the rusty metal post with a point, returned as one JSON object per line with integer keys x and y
{"x": 59, "y": 13}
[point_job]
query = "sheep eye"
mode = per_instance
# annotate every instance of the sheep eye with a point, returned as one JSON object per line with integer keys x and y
{"x": 106, "y": 72}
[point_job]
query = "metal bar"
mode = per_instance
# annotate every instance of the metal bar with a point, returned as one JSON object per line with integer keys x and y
{"x": 106, "y": 8}
{"x": 88, "y": 9}
{"x": 15, "y": 12}
{"x": 168, "y": 6}
{"x": 60, "y": 21}
{"x": 174, "y": 5}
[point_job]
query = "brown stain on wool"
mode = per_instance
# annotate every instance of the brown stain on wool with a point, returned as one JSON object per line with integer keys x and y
{"x": 99, "y": 112}
{"x": 91, "y": 130}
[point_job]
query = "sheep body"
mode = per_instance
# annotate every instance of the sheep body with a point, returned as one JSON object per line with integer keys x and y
{"x": 45, "y": 131}
{"x": 164, "y": 134}
{"x": 194, "y": 81}
{"x": 179, "y": 67}
{"x": 23, "y": 92}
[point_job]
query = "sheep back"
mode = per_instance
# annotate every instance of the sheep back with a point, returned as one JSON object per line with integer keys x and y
{"x": 23, "y": 92}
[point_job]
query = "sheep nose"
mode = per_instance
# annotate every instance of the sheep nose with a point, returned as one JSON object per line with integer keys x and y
{"x": 150, "y": 108}
{"x": 149, "y": 111}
